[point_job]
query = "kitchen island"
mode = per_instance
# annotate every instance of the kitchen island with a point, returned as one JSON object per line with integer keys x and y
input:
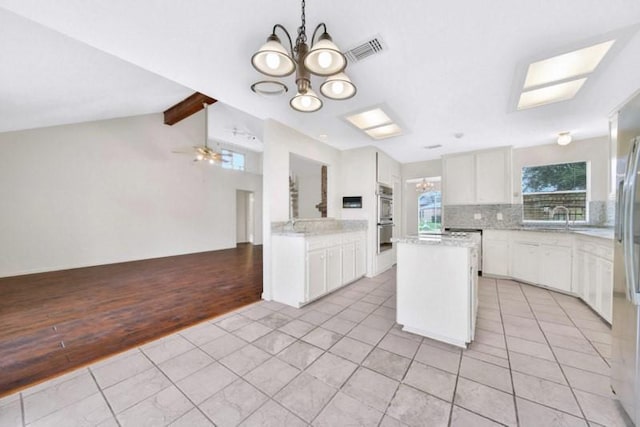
{"x": 437, "y": 279}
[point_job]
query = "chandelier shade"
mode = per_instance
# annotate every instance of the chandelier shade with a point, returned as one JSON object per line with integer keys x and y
{"x": 338, "y": 87}
{"x": 324, "y": 59}
{"x": 272, "y": 59}
{"x": 307, "y": 102}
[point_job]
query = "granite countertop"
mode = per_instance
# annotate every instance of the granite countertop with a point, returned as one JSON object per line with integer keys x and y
{"x": 292, "y": 233}
{"x": 602, "y": 232}
{"x": 437, "y": 240}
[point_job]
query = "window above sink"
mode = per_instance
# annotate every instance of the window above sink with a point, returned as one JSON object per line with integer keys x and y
{"x": 548, "y": 189}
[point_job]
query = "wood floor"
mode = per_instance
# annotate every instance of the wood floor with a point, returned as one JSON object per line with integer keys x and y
{"x": 53, "y": 322}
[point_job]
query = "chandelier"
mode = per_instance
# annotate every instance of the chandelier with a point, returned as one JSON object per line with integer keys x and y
{"x": 324, "y": 59}
{"x": 424, "y": 186}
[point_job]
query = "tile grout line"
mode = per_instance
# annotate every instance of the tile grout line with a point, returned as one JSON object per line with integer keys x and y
{"x": 22, "y": 410}
{"x": 177, "y": 388}
{"x": 584, "y": 416}
{"x": 104, "y": 397}
{"x": 339, "y": 389}
{"x": 580, "y": 330}
{"x": 455, "y": 389}
{"x": 401, "y": 382}
{"x": 506, "y": 347}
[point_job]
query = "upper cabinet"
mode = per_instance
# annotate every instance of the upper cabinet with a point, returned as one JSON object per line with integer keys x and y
{"x": 387, "y": 169}
{"x": 478, "y": 177}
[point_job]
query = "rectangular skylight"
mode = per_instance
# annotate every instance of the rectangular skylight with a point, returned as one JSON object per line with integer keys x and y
{"x": 550, "y": 94}
{"x": 368, "y": 119}
{"x": 562, "y": 67}
{"x": 386, "y": 131}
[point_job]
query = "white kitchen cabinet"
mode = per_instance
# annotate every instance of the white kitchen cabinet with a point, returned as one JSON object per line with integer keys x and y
{"x": 361, "y": 257}
{"x": 574, "y": 263}
{"x": 495, "y": 253}
{"x": 305, "y": 268}
{"x": 542, "y": 259}
{"x": 579, "y": 274}
{"x": 479, "y": 177}
{"x": 348, "y": 262}
{"x": 316, "y": 274}
{"x": 493, "y": 176}
{"x": 387, "y": 169}
{"x": 555, "y": 267}
{"x": 334, "y": 268}
{"x": 458, "y": 179}
{"x": 595, "y": 284}
{"x": 605, "y": 289}
{"x": 525, "y": 262}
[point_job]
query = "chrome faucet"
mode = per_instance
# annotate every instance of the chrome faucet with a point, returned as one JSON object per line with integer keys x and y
{"x": 566, "y": 214}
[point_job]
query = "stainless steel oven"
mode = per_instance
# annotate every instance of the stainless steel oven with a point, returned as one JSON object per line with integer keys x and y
{"x": 385, "y": 233}
{"x": 385, "y": 218}
{"x": 385, "y": 204}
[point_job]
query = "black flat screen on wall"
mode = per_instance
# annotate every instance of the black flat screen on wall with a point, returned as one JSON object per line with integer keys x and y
{"x": 352, "y": 202}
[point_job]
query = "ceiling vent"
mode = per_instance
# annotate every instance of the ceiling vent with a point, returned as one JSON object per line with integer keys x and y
{"x": 366, "y": 49}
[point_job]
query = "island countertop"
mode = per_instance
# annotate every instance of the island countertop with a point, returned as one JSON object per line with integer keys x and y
{"x": 438, "y": 240}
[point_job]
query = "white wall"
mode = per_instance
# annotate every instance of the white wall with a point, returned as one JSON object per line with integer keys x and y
{"x": 112, "y": 191}
{"x": 359, "y": 179}
{"x": 594, "y": 150}
{"x": 415, "y": 170}
{"x": 279, "y": 142}
{"x": 242, "y": 203}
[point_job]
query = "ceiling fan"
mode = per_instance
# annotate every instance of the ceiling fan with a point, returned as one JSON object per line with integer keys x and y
{"x": 204, "y": 153}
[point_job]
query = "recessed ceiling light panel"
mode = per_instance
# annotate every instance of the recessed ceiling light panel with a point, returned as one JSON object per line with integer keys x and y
{"x": 550, "y": 94}
{"x": 369, "y": 119}
{"x": 562, "y": 67}
{"x": 386, "y": 131}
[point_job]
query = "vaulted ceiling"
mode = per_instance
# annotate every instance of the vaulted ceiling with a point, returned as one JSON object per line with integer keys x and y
{"x": 449, "y": 67}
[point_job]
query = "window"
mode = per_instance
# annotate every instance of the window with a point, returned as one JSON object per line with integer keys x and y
{"x": 548, "y": 186}
{"x": 232, "y": 160}
{"x": 430, "y": 212}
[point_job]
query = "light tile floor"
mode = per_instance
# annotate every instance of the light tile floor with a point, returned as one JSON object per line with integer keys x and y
{"x": 540, "y": 358}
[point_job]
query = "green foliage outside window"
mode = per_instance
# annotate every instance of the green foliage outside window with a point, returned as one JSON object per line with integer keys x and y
{"x": 548, "y": 186}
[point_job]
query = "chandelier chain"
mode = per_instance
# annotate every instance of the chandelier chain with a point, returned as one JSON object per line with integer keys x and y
{"x": 302, "y": 29}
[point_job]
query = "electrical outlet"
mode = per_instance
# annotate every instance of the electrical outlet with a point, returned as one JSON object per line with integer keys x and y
{"x": 477, "y": 216}
{"x": 499, "y": 216}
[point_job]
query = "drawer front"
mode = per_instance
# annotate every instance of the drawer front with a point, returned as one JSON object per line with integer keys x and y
{"x": 323, "y": 242}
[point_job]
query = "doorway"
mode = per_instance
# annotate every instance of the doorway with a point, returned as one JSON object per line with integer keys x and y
{"x": 245, "y": 217}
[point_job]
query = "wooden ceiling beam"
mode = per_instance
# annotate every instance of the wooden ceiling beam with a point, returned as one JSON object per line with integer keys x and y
{"x": 185, "y": 108}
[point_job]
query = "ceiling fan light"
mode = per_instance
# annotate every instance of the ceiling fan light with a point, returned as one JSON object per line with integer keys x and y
{"x": 324, "y": 58}
{"x": 272, "y": 59}
{"x": 338, "y": 87}
{"x": 307, "y": 102}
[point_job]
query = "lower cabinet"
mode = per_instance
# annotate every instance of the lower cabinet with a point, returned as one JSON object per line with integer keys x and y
{"x": 534, "y": 258}
{"x": 334, "y": 268}
{"x": 525, "y": 262}
{"x": 578, "y": 264}
{"x": 305, "y": 268}
{"x": 348, "y": 262}
{"x": 495, "y": 253}
{"x": 316, "y": 274}
{"x": 555, "y": 267}
{"x": 594, "y": 275}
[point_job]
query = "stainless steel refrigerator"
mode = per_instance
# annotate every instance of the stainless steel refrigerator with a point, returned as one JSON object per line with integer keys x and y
{"x": 625, "y": 367}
